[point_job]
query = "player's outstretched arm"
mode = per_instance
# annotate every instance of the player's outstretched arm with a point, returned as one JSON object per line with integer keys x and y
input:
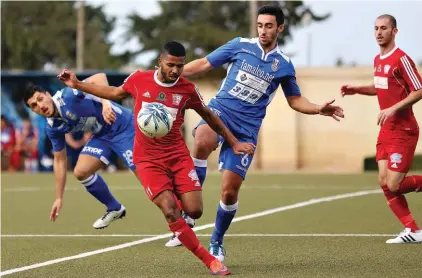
{"x": 302, "y": 105}
{"x": 196, "y": 67}
{"x": 101, "y": 91}
{"x": 360, "y": 90}
{"x": 60, "y": 168}
{"x": 218, "y": 126}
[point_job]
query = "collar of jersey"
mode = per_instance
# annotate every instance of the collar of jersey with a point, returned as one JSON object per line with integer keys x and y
{"x": 163, "y": 84}
{"x": 389, "y": 53}
{"x": 265, "y": 56}
{"x": 57, "y": 104}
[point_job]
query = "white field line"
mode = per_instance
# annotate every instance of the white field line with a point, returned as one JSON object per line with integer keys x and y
{"x": 28, "y": 189}
{"x": 199, "y": 228}
{"x": 201, "y": 235}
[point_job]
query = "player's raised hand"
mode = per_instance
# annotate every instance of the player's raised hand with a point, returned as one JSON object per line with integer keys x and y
{"x": 108, "y": 113}
{"x": 68, "y": 77}
{"x": 241, "y": 148}
{"x": 55, "y": 210}
{"x": 348, "y": 90}
{"x": 384, "y": 115}
{"x": 334, "y": 111}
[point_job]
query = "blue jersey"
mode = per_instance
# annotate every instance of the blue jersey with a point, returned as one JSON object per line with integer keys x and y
{"x": 83, "y": 112}
{"x": 252, "y": 80}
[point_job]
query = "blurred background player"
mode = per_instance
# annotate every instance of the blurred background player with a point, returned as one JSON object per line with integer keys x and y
{"x": 70, "y": 110}
{"x": 256, "y": 69}
{"x": 164, "y": 164}
{"x": 27, "y": 145}
{"x": 10, "y": 159}
{"x": 398, "y": 86}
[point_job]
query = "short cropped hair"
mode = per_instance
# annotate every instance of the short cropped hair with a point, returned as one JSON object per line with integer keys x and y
{"x": 30, "y": 91}
{"x": 273, "y": 10}
{"x": 174, "y": 48}
{"x": 391, "y": 18}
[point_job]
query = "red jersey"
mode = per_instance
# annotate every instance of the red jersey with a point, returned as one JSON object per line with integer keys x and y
{"x": 145, "y": 88}
{"x": 395, "y": 76}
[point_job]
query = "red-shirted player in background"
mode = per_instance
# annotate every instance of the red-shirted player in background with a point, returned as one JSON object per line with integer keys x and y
{"x": 164, "y": 165}
{"x": 398, "y": 86}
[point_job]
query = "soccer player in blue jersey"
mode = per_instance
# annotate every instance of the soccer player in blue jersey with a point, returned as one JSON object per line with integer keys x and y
{"x": 256, "y": 68}
{"x": 112, "y": 126}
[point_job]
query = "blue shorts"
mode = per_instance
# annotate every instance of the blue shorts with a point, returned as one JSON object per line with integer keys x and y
{"x": 121, "y": 144}
{"x": 227, "y": 160}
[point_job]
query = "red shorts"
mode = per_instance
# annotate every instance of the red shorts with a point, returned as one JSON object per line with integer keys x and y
{"x": 177, "y": 175}
{"x": 399, "y": 156}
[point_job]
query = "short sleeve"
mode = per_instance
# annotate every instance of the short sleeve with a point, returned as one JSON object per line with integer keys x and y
{"x": 410, "y": 73}
{"x": 289, "y": 86}
{"x": 224, "y": 53}
{"x": 196, "y": 100}
{"x": 288, "y": 83}
{"x": 57, "y": 139}
{"x": 129, "y": 85}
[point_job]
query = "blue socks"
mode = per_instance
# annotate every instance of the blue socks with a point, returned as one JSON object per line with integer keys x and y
{"x": 201, "y": 169}
{"x": 225, "y": 215}
{"x": 97, "y": 187}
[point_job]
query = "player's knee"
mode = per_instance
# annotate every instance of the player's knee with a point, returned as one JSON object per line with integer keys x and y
{"x": 382, "y": 180}
{"x": 80, "y": 174}
{"x": 171, "y": 213}
{"x": 204, "y": 145}
{"x": 229, "y": 196}
{"x": 194, "y": 213}
{"x": 393, "y": 186}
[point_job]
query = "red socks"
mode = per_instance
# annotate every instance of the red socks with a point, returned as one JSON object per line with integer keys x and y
{"x": 188, "y": 238}
{"x": 410, "y": 184}
{"x": 400, "y": 208}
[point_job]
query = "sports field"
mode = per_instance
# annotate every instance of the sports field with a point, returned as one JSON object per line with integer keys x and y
{"x": 287, "y": 226}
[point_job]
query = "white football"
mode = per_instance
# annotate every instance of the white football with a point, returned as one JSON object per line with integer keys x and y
{"x": 154, "y": 120}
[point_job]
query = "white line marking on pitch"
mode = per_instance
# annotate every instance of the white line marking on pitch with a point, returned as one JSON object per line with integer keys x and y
{"x": 199, "y": 228}
{"x": 205, "y": 235}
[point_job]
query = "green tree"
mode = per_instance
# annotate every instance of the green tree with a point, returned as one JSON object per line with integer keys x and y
{"x": 36, "y": 33}
{"x": 205, "y": 25}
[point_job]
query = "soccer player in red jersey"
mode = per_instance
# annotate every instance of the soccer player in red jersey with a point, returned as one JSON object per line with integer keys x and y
{"x": 398, "y": 86}
{"x": 164, "y": 164}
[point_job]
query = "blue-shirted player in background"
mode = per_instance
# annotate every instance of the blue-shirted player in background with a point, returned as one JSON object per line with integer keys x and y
{"x": 256, "y": 69}
{"x": 112, "y": 126}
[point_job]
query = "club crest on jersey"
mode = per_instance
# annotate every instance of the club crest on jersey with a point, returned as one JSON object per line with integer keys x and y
{"x": 177, "y": 99}
{"x": 162, "y": 97}
{"x": 395, "y": 158}
{"x": 71, "y": 115}
{"x": 275, "y": 65}
{"x": 386, "y": 69}
{"x": 379, "y": 68}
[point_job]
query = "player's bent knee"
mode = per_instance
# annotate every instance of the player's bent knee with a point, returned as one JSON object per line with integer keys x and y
{"x": 171, "y": 213}
{"x": 382, "y": 180}
{"x": 194, "y": 213}
{"x": 393, "y": 186}
{"x": 81, "y": 174}
{"x": 229, "y": 196}
{"x": 205, "y": 145}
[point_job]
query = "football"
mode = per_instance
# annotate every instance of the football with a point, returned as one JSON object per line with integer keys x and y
{"x": 154, "y": 120}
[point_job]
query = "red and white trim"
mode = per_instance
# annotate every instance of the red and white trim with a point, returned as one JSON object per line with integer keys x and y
{"x": 411, "y": 73}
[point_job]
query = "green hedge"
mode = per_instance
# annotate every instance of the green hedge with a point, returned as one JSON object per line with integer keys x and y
{"x": 369, "y": 163}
